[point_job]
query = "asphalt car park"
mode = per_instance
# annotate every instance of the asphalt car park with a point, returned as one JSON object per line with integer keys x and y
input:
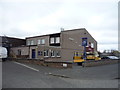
{"x": 24, "y": 75}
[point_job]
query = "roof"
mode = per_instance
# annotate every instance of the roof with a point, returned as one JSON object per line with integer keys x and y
{"x": 3, "y": 37}
{"x": 56, "y": 33}
{"x": 41, "y": 35}
{"x": 73, "y": 29}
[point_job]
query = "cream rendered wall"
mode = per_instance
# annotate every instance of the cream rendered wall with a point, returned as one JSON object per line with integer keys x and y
{"x": 24, "y": 50}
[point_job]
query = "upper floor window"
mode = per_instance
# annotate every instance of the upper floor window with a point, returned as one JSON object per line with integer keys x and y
{"x": 43, "y": 41}
{"x": 57, "y": 40}
{"x": 39, "y": 41}
{"x": 51, "y": 40}
{"x": 32, "y": 42}
{"x": 28, "y": 42}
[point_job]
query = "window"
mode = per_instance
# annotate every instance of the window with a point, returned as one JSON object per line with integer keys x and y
{"x": 43, "y": 41}
{"x": 39, "y": 41}
{"x": 32, "y": 42}
{"x": 57, "y": 40}
{"x": 52, "y": 53}
{"x": 19, "y": 51}
{"x": 92, "y": 45}
{"x": 28, "y": 42}
{"x": 51, "y": 40}
{"x": 57, "y": 53}
{"x": 46, "y": 53}
{"x": 76, "y": 54}
{"x": 40, "y": 53}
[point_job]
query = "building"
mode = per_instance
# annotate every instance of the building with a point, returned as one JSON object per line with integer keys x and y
{"x": 55, "y": 47}
{"x": 9, "y": 42}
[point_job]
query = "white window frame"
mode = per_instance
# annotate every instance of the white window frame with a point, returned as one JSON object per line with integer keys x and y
{"x": 58, "y": 54}
{"x": 28, "y": 42}
{"x": 52, "y": 40}
{"x": 32, "y": 42}
{"x": 42, "y": 41}
{"x": 57, "y": 40}
{"x": 52, "y": 53}
{"x": 46, "y": 53}
{"x": 39, "y": 41}
{"x": 92, "y": 45}
{"x": 40, "y": 53}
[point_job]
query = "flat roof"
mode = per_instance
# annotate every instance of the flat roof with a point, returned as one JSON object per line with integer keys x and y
{"x": 56, "y": 33}
{"x": 10, "y": 37}
{"x": 73, "y": 29}
{"x": 41, "y": 35}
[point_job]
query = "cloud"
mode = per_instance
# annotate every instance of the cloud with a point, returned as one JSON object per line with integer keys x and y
{"x": 49, "y": 1}
{"x": 23, "y": 18}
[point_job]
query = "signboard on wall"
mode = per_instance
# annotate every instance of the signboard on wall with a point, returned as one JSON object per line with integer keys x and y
{"x": 84, "y": 41}
{"x": 89, "y": 49}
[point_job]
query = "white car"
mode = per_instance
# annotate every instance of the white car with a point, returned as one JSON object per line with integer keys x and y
{"x": 112, "y": 57}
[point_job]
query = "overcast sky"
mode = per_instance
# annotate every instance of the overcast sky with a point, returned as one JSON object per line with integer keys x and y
{"x": 25, "y": 18}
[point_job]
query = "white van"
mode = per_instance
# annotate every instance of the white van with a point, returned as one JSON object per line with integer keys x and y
{"x": 3, "y": 53}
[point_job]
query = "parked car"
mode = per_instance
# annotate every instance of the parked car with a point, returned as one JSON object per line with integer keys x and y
{"x": 109, "y": 57}
{"x": 113, "y": 57}
{"x": 105, "y": 57}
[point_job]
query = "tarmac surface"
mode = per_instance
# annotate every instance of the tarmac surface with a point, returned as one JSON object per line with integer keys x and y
{"x": 24, "y": 75}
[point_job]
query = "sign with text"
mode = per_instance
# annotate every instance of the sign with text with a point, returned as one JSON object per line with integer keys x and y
{"x": 84, "y": 41}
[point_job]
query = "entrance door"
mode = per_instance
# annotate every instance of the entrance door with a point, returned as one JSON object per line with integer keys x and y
{"x": 33, "y": 53}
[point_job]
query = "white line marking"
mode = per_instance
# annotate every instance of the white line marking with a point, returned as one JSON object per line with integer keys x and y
{"x": 27, "y": 66}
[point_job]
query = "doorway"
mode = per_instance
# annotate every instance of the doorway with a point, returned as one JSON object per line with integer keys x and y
{"x": 33, "y": 53}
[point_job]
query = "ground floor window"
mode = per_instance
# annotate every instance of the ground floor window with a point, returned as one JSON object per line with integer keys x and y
{"x": 19, "y": 51}
{"x": 52, "y": 53}
{"x": 40, "y": 53}
{"x": 49, "y": 53}
{"x": 76, "y": 54}
{"x": 46, "y": 53}
{"x": 57, "y": 53}
{"x": 39, "y": 41}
